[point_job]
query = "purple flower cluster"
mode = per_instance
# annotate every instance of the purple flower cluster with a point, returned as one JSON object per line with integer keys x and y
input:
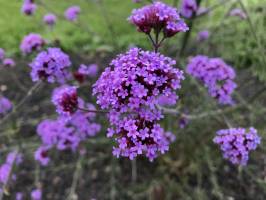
{"x": 130, "y": 88}
{"x": 236, "y": 143}
{"x": 203, "y": 35}
{"x": 32, "y": 42}
{"x": 63, "y": 133}
{"x": 158, "y": 16}
{"x": 28, "y": 7}
{"x": 216, "y": 75}
{"x": 5, "y": 105}
{"x": 66, "y": 100}
{"x": 49, "y": 19}
{"x": 9, "y": 62}
{"x": 72, "y": 13}
{"x": 237, "y": 12}
{"x": 51, "y": 65}
{"x": 84, "y": 71}
{"x": 188, "y": 7}
{"x": 36, "y": 194}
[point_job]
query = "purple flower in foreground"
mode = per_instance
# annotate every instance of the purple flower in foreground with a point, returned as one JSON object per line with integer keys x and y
{"x": 237, "y": 12}
{"x": 28, "y": 7}
{"x": 158, "y": 16}
{"x": 188, "y": 7}
{"x": 5, "y": 105}
{"x": 203, "y": 35}
{"x": 216, "y": 75}
{"x": 36, "y": 194}
{"x": 236, "y": 143}
{"x": 72, "y": 13}
{"x": 65, "y": 99}
{"x": 5, "y": 171}
{"x": 130, "y": 88}
{"x": 49, "y": 19}
{"x": 2, "y": 54}
{"x": 51, "y": 65}
{"x": 31, "y": 43}
{"x": 9, "y": 62}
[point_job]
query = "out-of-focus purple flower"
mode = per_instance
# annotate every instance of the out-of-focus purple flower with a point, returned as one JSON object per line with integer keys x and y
{"x": 183, "y": 122}
{"x": 2, "y": 54}
{"x": 65, "y": 99}
{"x": 188, "y": 7}
{"x": 236, "y": 143}
{"x": 85, "y": 71}
{"x": 28, "y": 7}
{"x": 9, "y": 62}
{"x": 41, "y": 155}
{"x": 216, "y": 75}
{"x": 51, "y": 65}
{"x": 130, "y": 88}
{"x": 36, "y": 194}
{"x": 203, "y": 35}
{"x": 136, "y": 1}
{"x": 237, "y": 12}
{"x": 202, "y": 11}
{"x": 50, "y": 19}
{"x": 158, "y": 16}
{"x": 72, "y": 13}
{"x": 19, "y": 196}
{"x": 32, "y": 42}
{"x": 5, "y": 105}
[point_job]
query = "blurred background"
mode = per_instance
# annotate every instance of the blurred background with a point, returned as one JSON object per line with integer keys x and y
{"x": 194, "y": 167}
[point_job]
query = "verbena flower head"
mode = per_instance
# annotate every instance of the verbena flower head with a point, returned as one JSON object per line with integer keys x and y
{"x": 36, "y": 194}
{"x": 66, "y": 100}
{"x": 51, "y": 65}
{"x": 49, "y": 19}
{"x": 2, "y": 54}
{"x": 85, "y": 71}
{"x": 5, "y": 105}
{"x": 32, "y": 42}
{"x": 5, "y": 171}
{"x": 28, "y": 7}
{"x": 158, "y": 16}
{"x": 131, "y": 87}
{"x": 19, "y": 196}
{"x": 236, "y": 143}
{"x": 41, "y": 155}
{"x": 203, "y": 35}
{"x": 216, "y": 75}
{"x": 9, "y": 62}
{"x": 72, "y": 13}
{"x": 237, "y": 12}
{"x": 188, "y": 7}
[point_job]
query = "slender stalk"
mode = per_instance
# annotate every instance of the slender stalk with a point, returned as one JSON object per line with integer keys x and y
{"x": 93, "y": 111}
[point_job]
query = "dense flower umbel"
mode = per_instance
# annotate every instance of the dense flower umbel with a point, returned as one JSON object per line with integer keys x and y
{"x": 188, "y": 7}
{"x": 2, "y": 54}
{"x": 9, "y": 62}
{"x": 5, "y": 105}
{"x": 66, "y": 100}
{"x": 203, "y": 35}
{"x": 28, "y": 7}
{"x": 130, "y": 87}
{"x": 51, "y": 65}
{"x": 72, "y": 13}
{"x": 49, "y": 19}
{"x": 31, "y": 43}
{"x": 36, "y": 194}
{"x": 85, "y": 71}
{"x": 236, "y": 143}
{"x": 66, "y": 134}
{"x": 158, "y": 16}
{"x": 216, "y": 75}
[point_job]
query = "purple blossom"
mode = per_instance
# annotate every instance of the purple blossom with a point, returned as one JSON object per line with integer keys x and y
{"x": 203, "y": 35}
{"x": 158, "y": 16}
{"x": 237, "y": 12}
{"x": 41, "y": 155}
{"x": 32, "y": 42}
{"x": 130, "y": 88}
{"x": 9, "y": 62}
{"x": 2, "y": 54}
{"x": 5, "y": 105}
{"x": 71, "y": 14}
{"x": 65, "y": 99}
{"x": 28, "y": 7}
{"x": 89, "y": 70}
{"x": 50, "y": 19}
{"x": 51, "y": 65}
{"x": 236, "y": 143}
{"x": 36, "y": 194}
{"x": 19, "y": 196}
{"x": 216, "y": 75}
{"x": 188, "y": 7}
